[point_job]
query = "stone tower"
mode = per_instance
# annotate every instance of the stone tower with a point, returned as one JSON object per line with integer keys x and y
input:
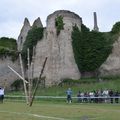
{"x": 58, "y": 48}
{"x": 95, "y": 22}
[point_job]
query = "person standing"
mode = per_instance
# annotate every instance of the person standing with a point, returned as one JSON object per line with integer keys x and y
{"x": 116, "y": 97}
{"x": 79, "y": 97}
{"x": 69, "y": 95}
{"x": 111, "y": 96}
{"x": 1, "y": 94}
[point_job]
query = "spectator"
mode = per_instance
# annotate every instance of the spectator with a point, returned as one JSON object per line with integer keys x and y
{"x": 116, "y": 97}
{"x": 69, "y": 95}
{"x": 91, "y": 95}
{"x": 1, "y": 94}
{"x": 111, "y": 96}
{"x": 78, "y": 96}
{"x": 105, "y": 95}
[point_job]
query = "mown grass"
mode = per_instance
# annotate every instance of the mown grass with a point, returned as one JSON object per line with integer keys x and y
{"x": 58, "y": 111}
{"x": 51, "y": 109}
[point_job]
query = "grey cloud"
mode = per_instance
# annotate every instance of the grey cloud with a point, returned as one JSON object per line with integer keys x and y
{"x": 13, "y": 12}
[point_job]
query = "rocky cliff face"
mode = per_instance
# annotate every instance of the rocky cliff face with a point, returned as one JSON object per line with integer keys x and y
{"x": 61, "y": 63}
{"x": 111, "y": 66}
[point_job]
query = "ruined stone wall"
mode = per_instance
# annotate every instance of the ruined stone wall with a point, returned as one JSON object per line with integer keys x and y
{"x": 61, "y": 63}
{"x": 23, "y": 33}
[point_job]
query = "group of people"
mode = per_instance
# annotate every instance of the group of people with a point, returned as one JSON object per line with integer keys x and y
{"x": 99, "y": 96}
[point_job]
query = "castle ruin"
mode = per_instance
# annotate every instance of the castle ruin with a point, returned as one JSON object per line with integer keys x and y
{"x": 58, "y": 48}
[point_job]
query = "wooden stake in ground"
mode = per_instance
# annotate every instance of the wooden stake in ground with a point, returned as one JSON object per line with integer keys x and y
{"x": 29, "y": 75}
{"x": 36, "y": 87}
{"x": 31, "y": 72}
{"x": 32, "y": 66}
{"x": 23, "y": 75}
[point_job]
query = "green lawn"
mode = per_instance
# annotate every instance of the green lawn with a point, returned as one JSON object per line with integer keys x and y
{"x": 59, "y": 111}
{"x": 51, "y": 109}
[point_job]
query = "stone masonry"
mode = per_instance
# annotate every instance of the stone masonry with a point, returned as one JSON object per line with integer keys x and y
{"x": 6, "y": 74}
{"x": 61, "y": 63}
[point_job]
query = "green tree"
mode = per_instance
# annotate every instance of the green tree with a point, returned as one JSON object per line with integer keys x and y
{"x": 8, "y": 47}
{"x": 116, "y": 28}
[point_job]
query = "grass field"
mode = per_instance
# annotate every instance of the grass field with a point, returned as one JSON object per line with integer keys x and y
{"x": 59, "y": 111}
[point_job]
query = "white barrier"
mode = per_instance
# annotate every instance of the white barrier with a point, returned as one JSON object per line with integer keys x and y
{"x": 59, "y": 97}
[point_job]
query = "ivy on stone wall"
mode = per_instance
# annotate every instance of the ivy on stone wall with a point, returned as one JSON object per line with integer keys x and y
{"x": 90, "y": 48}
{"x": 34, "y": 35}
{"x": 59, "y": 24}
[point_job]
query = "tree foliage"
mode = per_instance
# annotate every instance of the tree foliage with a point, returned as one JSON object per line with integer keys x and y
{"x": 8, "y": 47}
{"x": 116, "y": 28}
{"x": 90, "y": 48}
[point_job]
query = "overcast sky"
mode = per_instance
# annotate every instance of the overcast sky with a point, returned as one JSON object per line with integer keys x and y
{"x": 13, "y": 12}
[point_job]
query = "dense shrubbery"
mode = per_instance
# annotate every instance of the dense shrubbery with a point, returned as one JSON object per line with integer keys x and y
{"x": 78, "y": 82}
{"x": 116, "y": 28}
{"x": 8, "y": 47}
{"x": 90, "y": 48}
{"x": 34, "y": 35}
{"x": 17, "y": 85}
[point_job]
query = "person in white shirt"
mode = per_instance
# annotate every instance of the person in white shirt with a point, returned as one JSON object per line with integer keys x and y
{"x": 1, "y": 94}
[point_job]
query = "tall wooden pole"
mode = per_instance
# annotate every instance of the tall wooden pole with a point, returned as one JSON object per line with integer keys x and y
{"x": 29, "y": 77}
{"x": 36, "y": 87}
{"x": 23, "y": 75}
